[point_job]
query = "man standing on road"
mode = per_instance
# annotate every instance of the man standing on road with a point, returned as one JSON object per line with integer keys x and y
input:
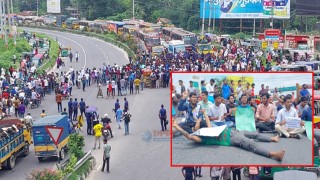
{"x": 84, "y": 82}
{"x": 97, "y": 133}
{"x": 70, "y": 56}
{"x": 82, "y": 106}
{"x": 77, "y": 56}
{"x": 188, "y": 173}
{"x": 59, "y": 101}
{"x": 126, "y": 105}
{"x": 70, "y": 109}
{"x": 126, "y": 118}
{"x": 116, "y": 106}
{"x": 163, "y": 117}
{"x": 137, "y": 84}
{"x": 75, "y": 106}
{"x": 119, "y": 115}
{"x": 106, "y": 155}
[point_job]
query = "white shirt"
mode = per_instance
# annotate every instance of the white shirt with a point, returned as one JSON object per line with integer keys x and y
{"x": 239, "y": 92}
{"x": 113, "y": 83}
{"x": 32, "y": 69}
{"x": 191, "y": 89}
{"x": 210, "y": 88}
{"x": 87, "y": 76}
{"x": 283, "y": 114}
{"x": 46, "y": 83}
{"x": 215, "y": 111}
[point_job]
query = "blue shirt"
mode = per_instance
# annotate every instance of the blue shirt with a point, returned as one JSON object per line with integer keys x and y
{"x": 119, "y": 113}
{"x": 70, "y": 105}
{"x": 304, "y": 93}
{"x": 226, "y": 90}
{"x": 192, "y": 113}
{"x": 307, "y": 115}
{"x": 75, "y": 105}
{"x": 82, "y": 105}
{"x": 116, "y": 106}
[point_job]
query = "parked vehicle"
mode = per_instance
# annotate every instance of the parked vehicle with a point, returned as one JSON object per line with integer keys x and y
{"x": 14, "y": 142}
{"x": 43, "y": 144}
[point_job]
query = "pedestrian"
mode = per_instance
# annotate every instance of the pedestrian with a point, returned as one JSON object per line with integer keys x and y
{"x": 43, "y": 114}
{"x": 236, "y": 173}
{"x": 226, "y": 173}
{"x": 126, "y": 118}
{"x": 70, "y": 56}
{"x": 59, "y": 101}
{"x": 126, "y": 105}
{"x": 253, "y": 172}
{"x": 188, "y": 173}
{"x": 82, "y": 106}
{"x": 215, "y": 173}
{"x": 89, "y": 122}
{"x": 116, "y": 106}
{"x": 70, "y": 108}
{"x": 137, "y": 84}
{"x": 75, "y": 106}
{"x": 77, "y": 56}
{"x": 119, "y": 116}
{"x": 16, "y": 103}
{"x": 84, "y": 81}
{"x": 106, "y": 155}
{"x": 22, "y": 110}
{"x": 198, "y": 174}
{"x": 163, "y": 118}
{"x": 97, "y": 133}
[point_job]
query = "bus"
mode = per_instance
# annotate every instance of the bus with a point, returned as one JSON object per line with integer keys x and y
{"x": 150, "y": 39}
{"x": 72, "y": 23}
{"x": 189, "y": 38}
{"x": 129, "y": 31}
{"x": 84, "y": 24}
{"x": 115, "y": 26}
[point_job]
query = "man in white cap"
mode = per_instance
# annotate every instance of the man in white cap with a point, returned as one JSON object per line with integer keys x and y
{"x": 106, "y": 120}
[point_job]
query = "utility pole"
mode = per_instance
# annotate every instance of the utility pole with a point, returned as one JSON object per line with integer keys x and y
{"x": 214, "y": 19}
{"x": 5, "y": 23}
{"x": 132, "y": 9}
{"x": 37, "y": 8}
{"x": 254, "y": 27}
{"x": 272, "y": 13}
{"x": 1, "y": 18}
{"x": 9, "y": 15}
{"x": 203, "y": 16}
{"x": 210, "y": 3}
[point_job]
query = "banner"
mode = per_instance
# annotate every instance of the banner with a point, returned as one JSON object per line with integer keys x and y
{"x": 245, "y": 9}
{"x": 245, "y": 119}
{"x": 308, "y": 126}
{"x": 53, "y": 6}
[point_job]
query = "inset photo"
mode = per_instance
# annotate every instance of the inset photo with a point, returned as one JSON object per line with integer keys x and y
{"x": 242, "y": 119}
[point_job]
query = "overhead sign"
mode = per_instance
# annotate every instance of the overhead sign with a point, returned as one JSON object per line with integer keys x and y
{"x": 245, "y": 9}
{"x": 272, "y": 34}
{"x": 55, "y": 133}
{"x": 53, "y": 6}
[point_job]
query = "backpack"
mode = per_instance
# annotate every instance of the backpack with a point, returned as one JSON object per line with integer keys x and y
{"x": 127, "y": 118}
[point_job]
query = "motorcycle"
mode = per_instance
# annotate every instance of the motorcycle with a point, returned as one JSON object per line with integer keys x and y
{"x": 106, "y": 131}
{"x": 34, "y": 103}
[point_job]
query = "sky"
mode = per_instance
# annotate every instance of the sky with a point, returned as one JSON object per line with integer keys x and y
{"x": 268, "y": 79}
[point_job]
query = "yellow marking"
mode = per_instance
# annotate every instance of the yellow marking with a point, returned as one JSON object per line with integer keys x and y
{"x": 51, "y": 147}
{"x": 12, "y": 152}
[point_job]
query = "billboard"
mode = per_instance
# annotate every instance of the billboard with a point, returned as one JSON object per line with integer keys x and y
{"x": 307, "y": 7}
{"x": 245, "y": 9}
{"x": 53, "y": 6}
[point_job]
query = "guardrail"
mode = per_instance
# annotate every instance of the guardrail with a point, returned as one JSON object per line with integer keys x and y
{"x": 80, "y": 163}
{"x": 119, "y": 44}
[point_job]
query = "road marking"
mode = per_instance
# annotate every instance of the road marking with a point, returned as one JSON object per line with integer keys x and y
{"x": 84, "y": 51}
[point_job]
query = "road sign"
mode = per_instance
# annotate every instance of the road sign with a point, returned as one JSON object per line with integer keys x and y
{"x": 55, "y": 133}
{"x": 264, "y": 45}
{"x": 272, "y": 34}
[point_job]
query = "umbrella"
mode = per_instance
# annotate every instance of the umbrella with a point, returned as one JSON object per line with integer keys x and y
{"x": 91, "y": 109}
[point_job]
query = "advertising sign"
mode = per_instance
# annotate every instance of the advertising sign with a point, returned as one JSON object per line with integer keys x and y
{"x": 245, "y": 9}
{"x": 272, "y": 34}
{"x": 53, "y": 6}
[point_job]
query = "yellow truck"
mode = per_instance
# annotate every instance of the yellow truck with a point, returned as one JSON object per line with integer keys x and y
{"x": 15, "y": 139}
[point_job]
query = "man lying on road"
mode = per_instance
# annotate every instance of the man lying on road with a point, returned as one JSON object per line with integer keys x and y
{"x": 238, "y": 139}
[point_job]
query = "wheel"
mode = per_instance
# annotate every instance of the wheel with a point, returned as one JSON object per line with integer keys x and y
{"x": 62, "y": 154}
{"x": 26, "y": 150}
{"x": 40, "y": 159}
{"x": 11, "y": 162}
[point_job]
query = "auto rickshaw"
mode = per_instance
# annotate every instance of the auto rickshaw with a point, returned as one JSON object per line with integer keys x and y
{"x": 65, "y": 51}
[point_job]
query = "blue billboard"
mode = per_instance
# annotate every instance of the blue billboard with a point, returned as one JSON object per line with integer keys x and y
{"x": 245, "y": 9}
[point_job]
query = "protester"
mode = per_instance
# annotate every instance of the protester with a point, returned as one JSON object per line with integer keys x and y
{"x": 106, "y": 155}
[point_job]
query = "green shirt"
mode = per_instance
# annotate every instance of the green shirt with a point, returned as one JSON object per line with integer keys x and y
{"x": 205, "y": 105}
{"x": 223, "y": 139}
{"x": 107, "y": 149}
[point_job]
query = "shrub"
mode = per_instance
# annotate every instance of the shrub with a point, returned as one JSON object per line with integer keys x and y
{"x": 44, "y": 174}
{"x": 76, "y": 143}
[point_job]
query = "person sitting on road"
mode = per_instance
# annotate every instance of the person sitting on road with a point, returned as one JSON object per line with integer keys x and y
{"x": 265, "y": 114}
{"x": 286, "y": 112}
{"x": 237, "y": 139}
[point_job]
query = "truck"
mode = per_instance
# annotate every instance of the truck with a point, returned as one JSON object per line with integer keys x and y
{"x": 176, "y": 46}
{"x": 14, "y": 142}
{"x": 44, "y": 146}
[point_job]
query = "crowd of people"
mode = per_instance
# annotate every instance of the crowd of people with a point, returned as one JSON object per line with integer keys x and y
{"x": 270, "y": 113}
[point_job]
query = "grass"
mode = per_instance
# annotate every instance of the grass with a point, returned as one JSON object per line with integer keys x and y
{"x": 53, "y": 54}
{"x": 6, "y": 53}
{"x": 83, "y": 169}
